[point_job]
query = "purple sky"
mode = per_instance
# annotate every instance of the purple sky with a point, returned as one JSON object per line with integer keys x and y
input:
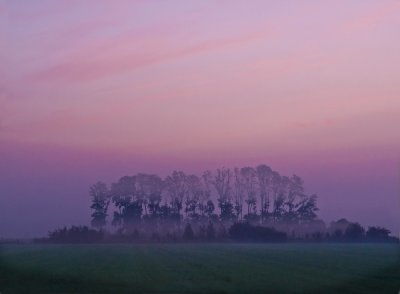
{"x": 94, "y": 90}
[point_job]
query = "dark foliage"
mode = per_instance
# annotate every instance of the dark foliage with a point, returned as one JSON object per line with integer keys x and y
{"x": 146, "y": 207}
{"x": 148, "y": 199}
{"x": 379, "y": 234}
{"x": 210, "y": 231}
{"x": 75, "y": 234}
{"x": 188, "y": 234}
{"x": 248, "y": 233}
{"x": 354, "y": 232}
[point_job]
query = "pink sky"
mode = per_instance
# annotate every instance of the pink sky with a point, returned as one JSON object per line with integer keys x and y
{"x": 93, "y": 90}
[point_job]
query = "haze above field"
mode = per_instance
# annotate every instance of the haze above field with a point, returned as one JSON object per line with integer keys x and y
{"x": 95, "y": 90}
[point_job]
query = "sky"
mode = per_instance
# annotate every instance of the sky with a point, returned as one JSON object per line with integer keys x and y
{"x": 94, "y": 90}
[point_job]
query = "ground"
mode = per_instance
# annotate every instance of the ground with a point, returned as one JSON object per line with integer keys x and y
{"x": 200, "y": 268}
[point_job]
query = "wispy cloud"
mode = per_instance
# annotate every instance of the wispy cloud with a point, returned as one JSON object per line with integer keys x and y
{"x": 131, "y": 52}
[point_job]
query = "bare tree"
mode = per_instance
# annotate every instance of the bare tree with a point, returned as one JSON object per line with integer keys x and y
{"x": 123, "y": 193}
{"x": 282, "y": 185}
{"x": 275, "y": 188}
{"x": 295, "y": 191}
{"x": 249, "y": 177}
{"x": 176, "y": 189}
{"x": 193, "y": 196}
{"x": 238, "y": 192}
{"x": 100, "y": 201}
{"x": 264, "y": 177}
{"x": 149, "y": 189}
{"x": 222, "y": 184}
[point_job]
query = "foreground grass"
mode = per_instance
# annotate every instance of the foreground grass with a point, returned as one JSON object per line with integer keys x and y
{"x": 207, "y": 268}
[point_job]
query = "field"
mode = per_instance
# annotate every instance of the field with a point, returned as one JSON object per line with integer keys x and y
{"x": 200, "y": 268}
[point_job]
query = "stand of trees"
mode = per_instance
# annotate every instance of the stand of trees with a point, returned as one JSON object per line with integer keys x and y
{"x": 242, "y": 204}
{"x": 257, "y": 195}
{"x": 75, "y": 234}
{"x": 238, "y": 232}
{"x": 345, "y": 231}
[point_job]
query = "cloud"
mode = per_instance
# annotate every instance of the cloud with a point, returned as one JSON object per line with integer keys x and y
{"x": 133, "y": 51}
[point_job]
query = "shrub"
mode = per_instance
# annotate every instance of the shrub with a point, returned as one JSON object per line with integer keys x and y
{"x": 75, "y": 234}
{"x": 188, "y": 233}
{"x": 378, "y": 234}
{"x": 248, "y": 233}
{"x": 354, "y": 232}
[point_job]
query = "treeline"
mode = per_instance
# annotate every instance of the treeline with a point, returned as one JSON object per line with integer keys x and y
{"x": 258, "y": 195}
{"x": 242, "y": 204}
{"x": 340, "y": 231}
{"x": 345, "y": 231}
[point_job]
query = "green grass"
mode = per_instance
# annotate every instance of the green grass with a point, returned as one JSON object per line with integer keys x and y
{"x": 200, "y": 268}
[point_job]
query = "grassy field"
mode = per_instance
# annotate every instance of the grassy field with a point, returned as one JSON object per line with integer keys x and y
{"x": 207, "y": 268}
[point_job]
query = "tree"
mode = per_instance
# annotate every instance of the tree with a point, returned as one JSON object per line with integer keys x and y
{"x": 75, "y": 234}
{"x": 295, "y": 191}
{"x": 149, "y": 189}
{"x": 188, "y": 234}
{"x": 264, "y": 177}
{"x": 123, "y": 193}
{"x": 306, "y": 208}
{"x": 278, "y": 187}
{"x": 221, "y": 182}
{"x": 154, "y": 185}
{"x": 205, "y": 195}
{"x": 249, "y": 177}
{"x": 226, "y": 208}
{"x": 209, "y": 210}
{"x": 354, "y": 232}
{"x": 246, "y": 232}
{"x": 378, "y": 234}
{"x": 210, "y": 231}
{"x": 100, "y": 201}
{"x": 176, "y": 189}
{"x": 238, "y": 193}
{"x": 194, "y": 194}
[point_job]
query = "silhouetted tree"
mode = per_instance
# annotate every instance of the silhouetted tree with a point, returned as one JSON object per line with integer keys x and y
{"x": 226, "y": 208}
{"x": 221, "y": 181}
{"x": 100, "y": 201}
{"x": 155, "y": 187}
{"x": 264, "y": 177}
{"x": 209, "y": 210}
{"x": 377, "y": 234}
{"x": 278, "y": 196}
{"x": 247, "y": 232}
{"x": 238, "y": 192}
{"x": 210, "y": 231}
{"x": 75, "y": 234}
{"x": 204, "y": 196}
{"x": 149, "y": 189}
{"x": 249, "y": 177}
{"x": 132, "y": 213}
{"x": 128, "y": 202}
{"x": 176, "y": 189}
{"x": 306, "y": 208}
{"x": 188, "y": 234}
{"x": 194, "y": 194}
{"x": 122, "y": 193}
{"x": 354, "y": 232}
{"x": 295, "y": 191}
